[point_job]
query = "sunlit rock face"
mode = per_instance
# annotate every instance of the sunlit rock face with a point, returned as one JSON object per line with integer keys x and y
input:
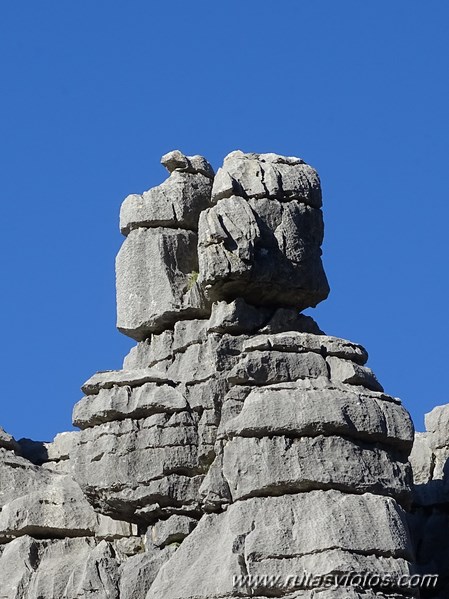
{"x": 240, "y": 446}
{"x": 261, "y": 240}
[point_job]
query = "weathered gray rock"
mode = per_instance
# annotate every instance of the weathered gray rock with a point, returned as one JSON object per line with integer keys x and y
{"x": 149, "y": 352}
{"x": 63, "y": 446}
{"x": 279, "y": 465}
{"x": 58, "y": 510}
{"x": 138, "y": 573}
{"x": 156, "y": 275}
{"x": 290, "y": 319}
{"x": 176, "y": 203}
{"x": 75, "y": 568}
{"x": 118, "y": 403}
{"x": 272, "y": 536}
{"x": 19, "y": 477}
{"x": 428, "y": 520}
{"x": 236, "y": 317}
{"x": 327, "y": 411}
{"x": 421, "y": 459}
{"x": 293, "y": 341}
{"x": 437, "y": 426}
{"x": 18, "y": 561}
{"x": 7, "y": 441}
{"x": 267, "y": 176}
{"x": 189, "y": 332}
{"x": 266, "y": 367}
{"x": 67, "y": 568}
{"x": 55, "y": 455}
{"x": 203, "y": 361}
{"x": 128, "y": 546}
{"x": 123, "y": 378}
{"x": 206, "y": 395}
{"x": 238, "y": 439}
{"x": 345, "y": 371}
{"x": 173, "y": 530}
{"x": 123, "y": 466}
{"x": 266, "y": 256}
{"x": 177, "y": 161}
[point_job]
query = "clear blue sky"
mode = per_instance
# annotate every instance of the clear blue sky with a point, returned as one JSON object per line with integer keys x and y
{"x": 93, "y": 93}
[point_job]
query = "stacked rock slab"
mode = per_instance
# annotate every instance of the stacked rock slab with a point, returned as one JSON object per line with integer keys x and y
{"x": 249, "y": 454}
{"x": 157, "y": 266}
{"x": 429, "y": 518}
{"x": 52, "y": 542}
{"x": 261, "y": 240}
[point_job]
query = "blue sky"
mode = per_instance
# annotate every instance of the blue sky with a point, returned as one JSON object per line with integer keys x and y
{"x": 93, "y": 93}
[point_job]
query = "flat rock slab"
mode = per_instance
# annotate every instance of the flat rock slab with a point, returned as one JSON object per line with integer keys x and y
{"x": 267, "y": 176}
{"x": 176, "y": 203}
{"x": 268, "y": 367}
{"x": 298, "y": 412}
{"x": 64, "y": 568}
{"x": 293, "y": 341}
{"x": 121, "y": 402}
{"x": 123, "y": 378}
{"x": 278, "y": 465}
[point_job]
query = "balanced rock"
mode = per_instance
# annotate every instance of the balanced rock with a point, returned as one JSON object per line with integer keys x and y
{"x": 157, "y": 266}
{"x": 266, "y": 251}
{"x": 239, "y": 447}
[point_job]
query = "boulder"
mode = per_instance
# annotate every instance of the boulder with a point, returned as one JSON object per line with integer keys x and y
{"x": 177, "y": 161}
{"x": 267, "y": 176}
{"x": 266, "y": 252}
{"x": 290, "y": 319}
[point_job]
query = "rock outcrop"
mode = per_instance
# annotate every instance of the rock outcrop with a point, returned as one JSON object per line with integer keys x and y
{"x": 240, "y": 452}
{"x": 429, "y": 518}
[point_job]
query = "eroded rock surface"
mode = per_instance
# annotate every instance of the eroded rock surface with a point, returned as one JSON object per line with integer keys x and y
{"x": 429, "y": 519}
{"x": 240, "y": 447}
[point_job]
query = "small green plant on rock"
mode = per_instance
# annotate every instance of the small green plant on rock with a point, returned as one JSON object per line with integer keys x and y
{"x": 192, "y": 278}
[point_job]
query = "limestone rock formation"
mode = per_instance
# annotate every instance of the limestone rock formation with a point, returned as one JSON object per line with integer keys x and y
{"x": 429, "y": 519}
{"x": 157, "y": 266}
{"x": 261, "y": 240}
{"x": 240, "y": 452}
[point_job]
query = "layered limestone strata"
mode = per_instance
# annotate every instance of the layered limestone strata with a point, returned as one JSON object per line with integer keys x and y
{"x": 240, "y": 447}
{"x": 261, "y": 239}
